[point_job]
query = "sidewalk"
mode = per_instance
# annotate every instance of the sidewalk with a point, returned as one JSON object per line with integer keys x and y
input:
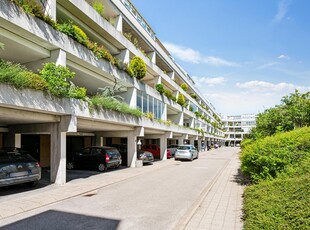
{"x": 221, "y": 207}
{"x": 218, "y": 207}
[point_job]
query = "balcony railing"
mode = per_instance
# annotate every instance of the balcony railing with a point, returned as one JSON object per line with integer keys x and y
{"x": 139, "y": 18}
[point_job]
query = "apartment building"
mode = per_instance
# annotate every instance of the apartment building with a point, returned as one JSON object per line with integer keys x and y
{"x": 237, "y": 127}
{"x": 53, "y": 127}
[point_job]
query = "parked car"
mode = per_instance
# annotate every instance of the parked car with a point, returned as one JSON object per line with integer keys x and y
{"x": 122, "y": 148}
{"x": 145, "y": 156}
{"x": 18, "y": 167}
{"x": 173, "y": 149}
{"x": 187, "y": 152}
{"x": 95, "y": 157}
{"x": 155, "y": 150}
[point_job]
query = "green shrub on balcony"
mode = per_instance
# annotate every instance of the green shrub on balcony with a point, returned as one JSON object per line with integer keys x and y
{"x": 193, "y": 96}
{"x": 57, "y": 77}
{"x": 181, "y": 100}
{"x": 160, "y": 88}
{"x": 99, "y": 7}
{"x": 74, "y": 32}
{"x": 20, "y": 77}
{"x": 184, "y": 86}
{"x": 138, "y": 67}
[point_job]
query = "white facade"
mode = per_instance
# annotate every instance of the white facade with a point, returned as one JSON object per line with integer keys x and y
{"x": 31, "y": 42}
{"x": 236, "y": 127}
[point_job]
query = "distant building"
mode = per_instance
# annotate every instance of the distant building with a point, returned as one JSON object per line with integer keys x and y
{"x": 236, "y": 127}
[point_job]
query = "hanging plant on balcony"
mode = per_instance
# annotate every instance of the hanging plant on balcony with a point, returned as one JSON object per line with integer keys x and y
{"x": 138, "y": 67}
{"x": 160, "y": 88}
{"x": 181, "y": 99}
{"x": 184, "y": 87}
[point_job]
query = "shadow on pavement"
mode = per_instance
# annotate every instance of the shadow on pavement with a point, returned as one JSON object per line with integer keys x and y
{"x": 63, "y": 220}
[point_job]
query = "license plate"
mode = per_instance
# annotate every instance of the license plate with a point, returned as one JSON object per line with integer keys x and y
{"x": 24, "y": 173}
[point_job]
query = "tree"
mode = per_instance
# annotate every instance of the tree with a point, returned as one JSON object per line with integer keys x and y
{"x": 293, "y": 112}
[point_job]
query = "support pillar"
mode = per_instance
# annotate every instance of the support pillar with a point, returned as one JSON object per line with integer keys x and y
{"x": 58, "y": 147}
{"x": 132, "y": 148}
{"x": 119, "y": 23}
{"x": 124, "y": 56}
{"x": 163, "y": 144}
{"x": 50, "y": 8}
{"x": 152, "y": 56}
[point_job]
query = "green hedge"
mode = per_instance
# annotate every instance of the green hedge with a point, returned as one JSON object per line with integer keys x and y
{"x": 266, "y": 158}
{"x": 282, "y": 203}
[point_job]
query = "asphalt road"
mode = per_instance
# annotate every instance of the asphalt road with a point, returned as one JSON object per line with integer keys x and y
{"x": 159, "y": 199}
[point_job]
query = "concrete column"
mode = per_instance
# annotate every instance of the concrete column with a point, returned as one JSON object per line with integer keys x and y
{"x": 191, "y": 141}
{"x": 119, "y": 23}
{"x": 124, "y": 56}
{"x": 130, "y": 97}
{"x": 132, "y": 141}
{"x": 132, "y": 150}
{"x": 58, "y": 147}
{"x": 18, "y": 140}
{"x": 57, "y": 56}
{"x": 152, "y": 56}
{"x": 163, "y": 144}
{"x": 178, "y": 118}
{"x": 50, "y": 8}
{"x": 171, "y": 75}
{"x": 164, "y": 114}
{"x": 199, "y": 144}
{"x": 157, "y": 80}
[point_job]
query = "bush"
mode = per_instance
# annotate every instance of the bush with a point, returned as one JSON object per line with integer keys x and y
{"x": 99, "y": 7}
{"x": 99, "y": 102}
{"x": 266, "y": 158}
{"x": 20, "y": 77}
{"x": 184, "y": 86}
{"x": 74, "y": 32}
{"x": 282, "y": 203}
{"x": 160, "y": 88}
{"x": 138, "y": 67}
{"x": 181, "y": 99}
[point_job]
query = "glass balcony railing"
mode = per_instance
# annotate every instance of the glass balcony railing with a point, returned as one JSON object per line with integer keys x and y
{"x": 139, "y": 18}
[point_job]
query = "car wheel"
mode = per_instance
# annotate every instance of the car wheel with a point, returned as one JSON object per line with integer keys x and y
{"x": 70, "y": 165}
{"x": 102, "y": 168}
{"x": 117, "y": 166}
{"x": 175, "y": 159}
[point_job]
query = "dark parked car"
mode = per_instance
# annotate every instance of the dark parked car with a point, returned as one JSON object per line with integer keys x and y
{"x": 145, "y": 156}
{"x": 95, "y": 157}
{"x": 122, "y": 148}
{"x": 18, "y": 167}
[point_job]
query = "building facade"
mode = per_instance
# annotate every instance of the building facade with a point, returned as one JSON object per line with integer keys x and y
{"x": 237, "y": 127}
{"x": 51, "y": 127}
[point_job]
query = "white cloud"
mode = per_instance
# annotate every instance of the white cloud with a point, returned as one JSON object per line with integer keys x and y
{"x": 236, "y": 103}
{"x": 267, "y": 65}
{"x": 283, "y": 6}
{"x": 283, "y": 56}
{"x": 262, "y": 86}
{"x": 210, "y": 81}
{"x": 189, "y": 55}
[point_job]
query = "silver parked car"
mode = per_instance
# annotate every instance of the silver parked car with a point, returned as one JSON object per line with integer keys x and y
{"x": 187, "y": 152}
{"x": 145, "y": 156}
{"x": 17, "y": 167}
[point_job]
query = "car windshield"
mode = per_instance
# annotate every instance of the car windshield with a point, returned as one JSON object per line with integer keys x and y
{"x": 6, "y": 156}
{"x": 184, "y": 148}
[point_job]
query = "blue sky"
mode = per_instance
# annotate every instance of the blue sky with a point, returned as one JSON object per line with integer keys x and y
{"x": 244, "y": 55}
